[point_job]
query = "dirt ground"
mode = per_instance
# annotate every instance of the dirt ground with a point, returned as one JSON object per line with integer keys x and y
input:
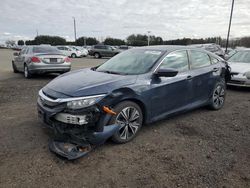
{"x": 201, "y": 148}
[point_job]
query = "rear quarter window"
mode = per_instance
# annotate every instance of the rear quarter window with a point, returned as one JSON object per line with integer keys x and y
{"x": 199, "y": 59}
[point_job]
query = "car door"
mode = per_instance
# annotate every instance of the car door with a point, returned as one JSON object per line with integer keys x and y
{"x": 169, "y": 94}
{"x": 104, "y": 51}
{"x": 202, "y": 76}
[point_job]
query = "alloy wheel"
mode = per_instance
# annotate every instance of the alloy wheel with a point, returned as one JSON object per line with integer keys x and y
{"x": 129, "y": 120}
{"x": 219, "y": 96}
{"x": 97, "y": 55}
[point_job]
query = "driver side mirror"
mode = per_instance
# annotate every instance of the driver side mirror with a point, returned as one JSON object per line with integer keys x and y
{"x": 166, "y": 72}
{"x": 16, "y": 53}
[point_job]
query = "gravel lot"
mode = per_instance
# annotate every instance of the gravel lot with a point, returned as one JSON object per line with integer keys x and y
{"x": 201, "y": 148}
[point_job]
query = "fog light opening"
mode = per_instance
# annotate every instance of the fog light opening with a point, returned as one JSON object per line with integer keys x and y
{"x": 71, "y": 119}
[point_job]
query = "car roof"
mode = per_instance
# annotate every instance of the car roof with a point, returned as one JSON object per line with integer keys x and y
{"x": 169, "y": 48}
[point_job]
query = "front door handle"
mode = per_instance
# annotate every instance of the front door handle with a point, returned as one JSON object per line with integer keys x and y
{"x": 189, "y": 77}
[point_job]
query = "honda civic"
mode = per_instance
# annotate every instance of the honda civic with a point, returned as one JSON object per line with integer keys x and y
{"x": 138, "y": 86}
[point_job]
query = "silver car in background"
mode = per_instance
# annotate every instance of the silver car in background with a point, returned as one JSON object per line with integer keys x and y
{"x": 240, "y": 68}
{"x": 40, "y": 59}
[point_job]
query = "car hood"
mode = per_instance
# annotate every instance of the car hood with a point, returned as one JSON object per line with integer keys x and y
{"x": 239, "y": 67}
{"x": 86, "y": 82}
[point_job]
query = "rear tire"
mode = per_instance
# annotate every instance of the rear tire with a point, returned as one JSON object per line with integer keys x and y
{"x": 27, "y": 73}
{"x": 73, "y": 55}
{"x": 129, "y": 116}
{"x": 14, "y": 68}
{"x": 97, "y": 55}
{"x": 218, "y": 98}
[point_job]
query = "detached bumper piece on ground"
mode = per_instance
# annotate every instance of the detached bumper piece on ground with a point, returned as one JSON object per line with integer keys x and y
{"x": 73, "y": 147}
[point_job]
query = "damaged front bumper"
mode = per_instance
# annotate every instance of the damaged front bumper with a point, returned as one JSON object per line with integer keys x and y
{"x": 76, "y": 133}
{"x": 73, "y": 149}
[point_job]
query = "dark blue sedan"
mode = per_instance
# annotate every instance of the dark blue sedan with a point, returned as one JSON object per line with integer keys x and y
{"x": 139, "y": 86}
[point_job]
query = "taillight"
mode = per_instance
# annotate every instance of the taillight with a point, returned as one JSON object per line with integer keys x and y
{"x": 35, "y": 60}
{"x": 67, "y": 59}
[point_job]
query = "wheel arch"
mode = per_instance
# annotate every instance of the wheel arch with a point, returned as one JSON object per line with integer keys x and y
{"x": 126, "y": 94}
{"x": 140, "y": 104}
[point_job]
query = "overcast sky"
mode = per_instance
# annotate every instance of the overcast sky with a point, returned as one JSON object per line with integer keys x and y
{"x": 170, "y": 19}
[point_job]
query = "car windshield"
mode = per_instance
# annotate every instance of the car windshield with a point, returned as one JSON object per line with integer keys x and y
{"x": 242, "y": 57}
{"x": 46, "y": 49}
{"x": 136, "y": 61}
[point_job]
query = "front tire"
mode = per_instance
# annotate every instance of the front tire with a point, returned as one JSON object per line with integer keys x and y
{"x": 14, "y": 68}
{"x": 218, "y": 97}
{"x": 129, "y": 116}
{"x": 27, "y": 73}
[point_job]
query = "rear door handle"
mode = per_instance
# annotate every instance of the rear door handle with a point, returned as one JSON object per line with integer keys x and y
{"x": 189, "y": 77}
{"x": 215, "y": 69}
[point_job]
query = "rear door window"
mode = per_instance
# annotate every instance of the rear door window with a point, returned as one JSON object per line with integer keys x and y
{"x": 199, "y": 59}
{"x": 176, "y": 60}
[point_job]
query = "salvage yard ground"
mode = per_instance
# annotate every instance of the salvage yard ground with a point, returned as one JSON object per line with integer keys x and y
{"x": 201, "y": 148}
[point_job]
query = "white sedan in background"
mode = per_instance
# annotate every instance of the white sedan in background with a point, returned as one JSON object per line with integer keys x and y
{"x": 83, "y": 51}
{"x": 69, "y": 51}
{"x": 240, "y": 68}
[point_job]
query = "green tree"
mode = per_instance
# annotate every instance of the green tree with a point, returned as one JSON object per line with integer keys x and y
{"x": 88, "y": 40}
{"x": 142, "y": 40}
{"x": 114, "y": 42}
{"x": 30, "y": 42}
{"x": 20, "y": 42}
{"x": 52, "y": 40}
{"x": 137, "y": 40}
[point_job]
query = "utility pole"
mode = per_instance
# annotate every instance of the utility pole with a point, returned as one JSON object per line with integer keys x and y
{"x": 229, "y": 27}
{"x": 84, "y": 41}
{"x": 148, "y": 37}
{"x": 37, "y": 32}
{"x": 74, "y": 27}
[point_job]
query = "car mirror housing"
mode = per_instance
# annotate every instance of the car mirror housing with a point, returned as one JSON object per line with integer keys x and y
{"x": 16, "y": 53}
{"x": 166, "y": 72}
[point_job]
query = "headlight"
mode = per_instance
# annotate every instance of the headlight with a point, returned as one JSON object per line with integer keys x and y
{"x": 247, "y": 74}
{"x": 83, "y": 103}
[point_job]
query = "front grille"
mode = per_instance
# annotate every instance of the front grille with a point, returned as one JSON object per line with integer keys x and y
{"x": 49, "y": 96}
